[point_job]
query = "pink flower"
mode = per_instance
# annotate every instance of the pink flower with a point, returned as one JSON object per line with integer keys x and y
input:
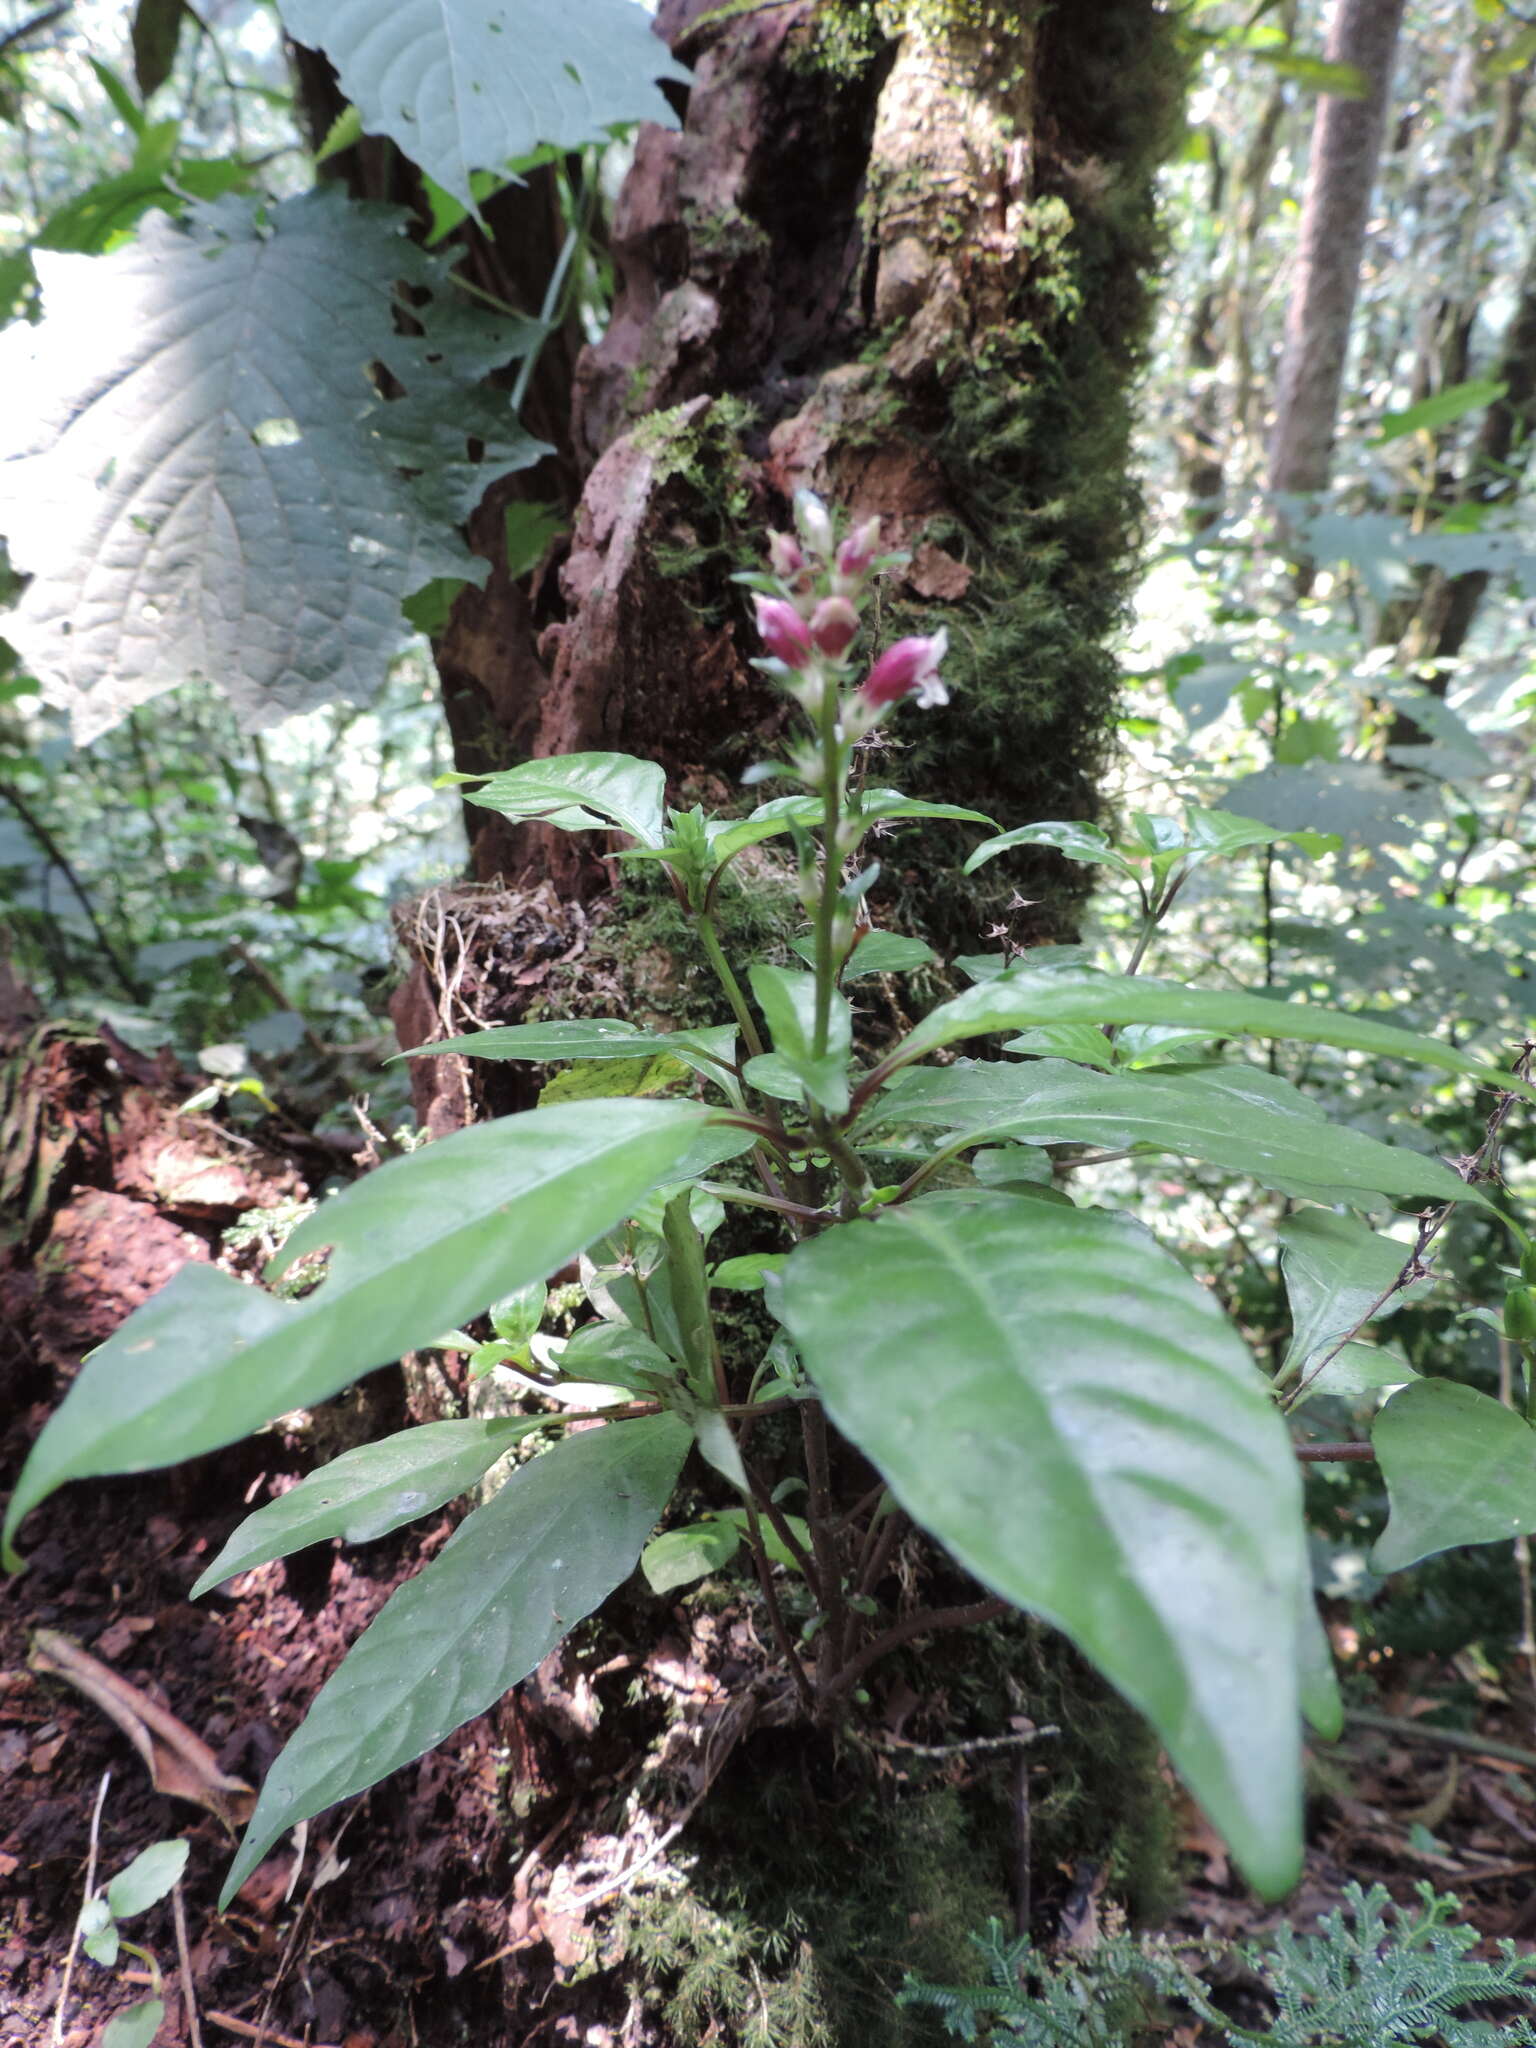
{"x": 858, "y": 551}
{"x": 909, "y": 668}
{"x": 834, "y": 623}
{"x": 785, "y": 556}
{"x": 785, "y": 633}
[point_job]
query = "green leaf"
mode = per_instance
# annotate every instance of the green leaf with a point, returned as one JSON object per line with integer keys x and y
{"x": 90, "y": 221}
{"x": 1356, "y": 1371}
{"x": 427, "y": 610}
{"x": 778, "y": 1550}
{"x": 874, "y": 953}
{"x": 690, "y": 1292}
{"x": 744, "y": 1275}
{"x": 135, "y": 2026}
{"x": 1051, "y": 1395}
{"x": 345, "y": 132}
{"x": 1214, "y": 835}
{"x": 515, "y": 1577}
{"x": 1083, "y": 843}
{"x": 147, "y": 1879}
{"x": 1083, "y": 1043}
{"x": 1442, "y": 409}
{"x": 1317, "y": 74}
{"x": 1027, "y": 995}
{"x": 529, "y": 530}
{"x": 618, "y": 1355}
{"x": 783, "y": 813}
{"x": 232, "y": 359}
{"x": 365, "y": 1493}
{"x": 787, "y": 999}
{"x": 1321, "y": 1700}
{"x": 123, "y": 102}
{"x": 1238, "y": 1117}
{"x": 683, "y": 1555}
{"x": 420, "y": 1244}
{"x": 560, "y": 1038}
{"x": 1336, "y": 1270}
{"x": 583, "y": 792}
{"x": 156, "y": 32}
{"x": 469, "y": 85}
{"x": 1460, "y": 1468}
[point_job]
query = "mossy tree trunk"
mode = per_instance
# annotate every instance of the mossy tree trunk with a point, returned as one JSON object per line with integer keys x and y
{"x": 910, "y": 269}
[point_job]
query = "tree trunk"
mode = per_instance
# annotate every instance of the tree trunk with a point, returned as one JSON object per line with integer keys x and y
{"x": 1341, "y": 173}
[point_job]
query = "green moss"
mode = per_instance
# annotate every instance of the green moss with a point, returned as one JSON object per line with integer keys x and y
{"x": 712, "y": 529}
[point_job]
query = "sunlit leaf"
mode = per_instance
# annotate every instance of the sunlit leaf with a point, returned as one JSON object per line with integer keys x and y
{"x": 1460, "y": 1468}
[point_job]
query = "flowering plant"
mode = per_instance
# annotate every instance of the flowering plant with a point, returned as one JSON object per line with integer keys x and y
{"x": 1035, "y": 1381}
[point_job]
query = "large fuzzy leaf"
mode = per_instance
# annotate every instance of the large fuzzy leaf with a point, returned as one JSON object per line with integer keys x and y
{"x": 1081, "y": 995}
{"x": 1460, "y": 1467}
{"x": 1236, "y": 1117}
{"x": 1051, "y": 1395}
{"x": 414, "y": 1248}
{"x": 515, "y": 1577}
{"x": 582, "y": 793}
{"x": 472, "y": 85}
{"x": 201, "y": 476}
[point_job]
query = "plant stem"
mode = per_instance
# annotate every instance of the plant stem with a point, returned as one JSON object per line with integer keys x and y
{"x": 928, "y": 1622}
{"x": 709, "y": 940}
{"x": 781, "y": 1633}
{"x": 813, "y": 1433}
{"x": 831, "y": 871}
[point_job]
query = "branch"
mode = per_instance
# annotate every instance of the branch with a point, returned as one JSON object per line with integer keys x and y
{"x": 58, "y": 858}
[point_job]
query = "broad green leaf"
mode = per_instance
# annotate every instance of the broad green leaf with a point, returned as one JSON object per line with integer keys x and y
{"x": 1442, "y": 409}
{"x": 874, "y": 953}
{"x": 147, "y": 1879}
{"x": 201, "y": 475}
{"x": 1238, "y": 1117}
{"x": 422, "y": 1243}
{"x": 683, "y": 1555}
{"x": 710, "y": 1053}
{"x": 1357, "y": 1370}
{"x": 582, "y": 792}
{"x": 787, "y": 999}
{"x": 1083, "y": 1043}
{"x": 1083, "y": 843}
{"x": 515, "y": 1577}
{"x": 690, "y": 1293}
{"x": 1460, "y": 1467}
{"x": 1052, "y": 1396}
{"x": 1213, "y": 835}
{"x": 782, "y": 813}
{"x": 469, "y": 85}
{"x": 744, "y": 1275}
{"x": 365, "y": 1493}
{"x": 1081, "y": 995}
{"x": 1336, "y": 1270}
{"x": 619, "y": 1356}
{"x": 1317, "y": 74}
{"x": 135, "y": 2026}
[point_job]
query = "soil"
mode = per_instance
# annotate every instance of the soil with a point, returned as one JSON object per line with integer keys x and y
{"x": 465, "y": 1899}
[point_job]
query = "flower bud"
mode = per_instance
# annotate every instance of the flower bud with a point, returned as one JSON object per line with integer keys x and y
{"x": 785, "y": 633}
{"x": 814, "y": 522}
{"x": 910, "y": 668}
{"x": 834, "y": 625}
{"x": 784, "y": 556}
{"x": 858, "y": 551}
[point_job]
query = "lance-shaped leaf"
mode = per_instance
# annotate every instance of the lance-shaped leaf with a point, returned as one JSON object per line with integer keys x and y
{"x": 787, "y": 999}
{"x": 582, "y": 793}
{"x": 416, "y": 1247}
{"x": 708, "y": 1052}
{"x": 471, "y": 85}
{"x": 201, "y": 474}
{"x": 515, "y": 1577}
{"x": 1082, "y": 995}
{"x": 1337, "y": 1273}
{"x": 1050, "y": 1394}
{"x": 365, "y": 1493}
{"x": 1077, "y": 842}
{"x": 1237, "y": 1117}
{"x": 874, "y": 953}
{"x": 1460, "y": 1467}
{"x": 782, "y": 813}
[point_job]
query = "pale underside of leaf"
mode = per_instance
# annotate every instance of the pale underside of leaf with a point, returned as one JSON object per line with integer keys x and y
{"x": 1052, "y": 1396}
{"x": 472, "y": 85}
{"x": 201, "y": 477}
{"x": 515, "y": 1577}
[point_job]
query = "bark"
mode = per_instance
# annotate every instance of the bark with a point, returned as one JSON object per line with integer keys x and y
{"x": 1341, "y": 173}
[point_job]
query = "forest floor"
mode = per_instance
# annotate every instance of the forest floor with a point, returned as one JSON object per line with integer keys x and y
{"x": 485, "y": 1893}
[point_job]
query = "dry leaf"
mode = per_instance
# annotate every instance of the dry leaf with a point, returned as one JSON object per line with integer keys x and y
{"x": 179, "y": 1763}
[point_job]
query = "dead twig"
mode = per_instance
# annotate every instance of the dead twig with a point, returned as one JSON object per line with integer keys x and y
{"x": 90, "y": 1885}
